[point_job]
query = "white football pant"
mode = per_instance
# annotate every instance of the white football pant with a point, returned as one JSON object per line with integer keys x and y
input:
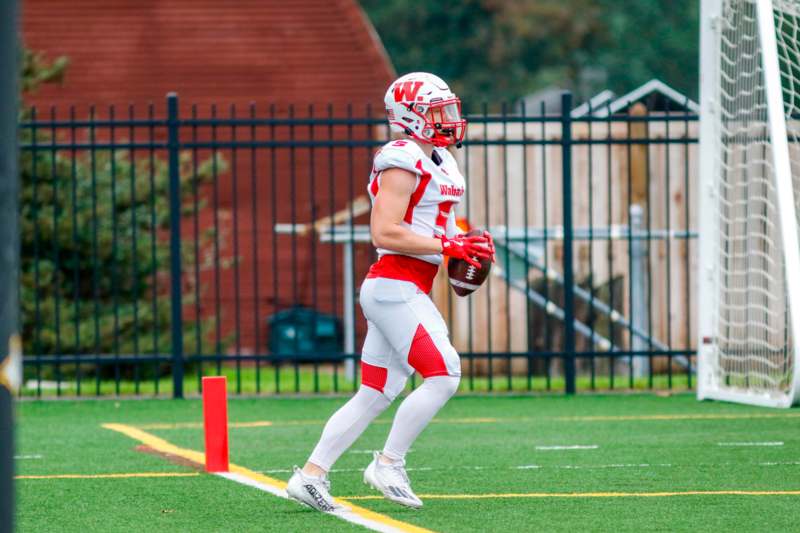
{"x": 405, "y": 333}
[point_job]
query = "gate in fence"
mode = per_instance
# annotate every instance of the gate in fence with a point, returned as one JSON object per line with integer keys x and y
{"x": 159, "y": 246}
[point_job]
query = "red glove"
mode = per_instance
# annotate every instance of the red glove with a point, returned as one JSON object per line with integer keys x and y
{"x": 468, "y": 248}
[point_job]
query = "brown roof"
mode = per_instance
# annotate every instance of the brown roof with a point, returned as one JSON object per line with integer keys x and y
{"x": 268, "y": 51}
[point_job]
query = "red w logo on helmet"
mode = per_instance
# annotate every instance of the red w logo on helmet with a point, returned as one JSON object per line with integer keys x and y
{"x": 406, "y": 91}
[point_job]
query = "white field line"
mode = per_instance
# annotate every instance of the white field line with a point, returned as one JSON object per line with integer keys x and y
{"x": 520, "y": 467}
{"x": 344, "y": 514}
{"x": 30, "y": 456}
{"x": 352, "y": 513}
{"x": 338, "y": 470}
{"x": 371, "y": 451}
{"x": 569, "y": 447}
{"x": 768, "y": 443}
{"x": 620, "y": 465}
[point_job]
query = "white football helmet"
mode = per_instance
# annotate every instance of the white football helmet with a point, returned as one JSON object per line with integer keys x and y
{"x": 422, "y": 106}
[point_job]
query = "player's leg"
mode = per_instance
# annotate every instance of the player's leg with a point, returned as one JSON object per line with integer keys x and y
{"x": 414, "y": 328}
{"x": 381, "y": 382}
{"x": 379, "y": 386}
{"x": 415, "y": 413}
{"x": 433, "y": 356}
{"x": 430, "y": 353}
{"x": 386, "y": 472}
{"x": 310, "y": 484}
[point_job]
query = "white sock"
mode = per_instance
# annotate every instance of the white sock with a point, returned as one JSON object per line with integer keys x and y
{"x": 416, "y": 412}
{"x": 346, "y": 425}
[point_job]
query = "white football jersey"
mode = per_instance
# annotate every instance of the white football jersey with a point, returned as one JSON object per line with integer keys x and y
{"x": 439, "y": 188}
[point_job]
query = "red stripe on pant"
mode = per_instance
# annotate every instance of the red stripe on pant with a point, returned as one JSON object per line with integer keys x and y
{"x": 373, "y": 376}
{"x": 424, "y": 356}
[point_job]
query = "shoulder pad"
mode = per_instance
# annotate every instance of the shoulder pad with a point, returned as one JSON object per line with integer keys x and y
{"x": 399, "y": 154}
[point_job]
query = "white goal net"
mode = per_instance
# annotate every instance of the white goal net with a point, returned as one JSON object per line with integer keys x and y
{"x": 749, "y": 317}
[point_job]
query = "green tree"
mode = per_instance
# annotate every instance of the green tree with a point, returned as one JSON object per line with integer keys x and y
{"x": 500, "y": 50}
{"x": 94, "y": 241}
{"x": 650, "y": 39}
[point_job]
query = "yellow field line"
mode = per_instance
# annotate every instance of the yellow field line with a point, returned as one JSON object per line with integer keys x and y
{"x": 623, "y": 418}
{"x": 275, "y": 485}
{"x": 490, "y": 420}
{"x": 199, "y": 425}
{"x": 481, "y": 420}
{"x": 112, "y": 476}
{"x": 264, "y": 479}
{"x": 592, "y": 495}
{"x": 268, "y": 423}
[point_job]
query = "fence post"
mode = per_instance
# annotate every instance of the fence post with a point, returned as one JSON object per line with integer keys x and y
{"x": 638, "y": 287}
{"x": 176, "y": 296}
{"x": 349, "y": 312}
{"x": 569, "y": 282}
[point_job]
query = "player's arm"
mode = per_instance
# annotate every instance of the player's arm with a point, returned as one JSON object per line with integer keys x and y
{"x": 390, "y": 206}
{"x": 388, "y": 233}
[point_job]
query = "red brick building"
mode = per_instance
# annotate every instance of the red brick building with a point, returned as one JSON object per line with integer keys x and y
{"x": 268, "y": 52}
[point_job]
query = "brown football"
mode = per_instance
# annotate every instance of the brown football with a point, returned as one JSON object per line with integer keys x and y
{"x": 465, "y": 278}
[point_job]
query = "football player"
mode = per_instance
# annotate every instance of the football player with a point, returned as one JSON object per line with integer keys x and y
{"x": 414, "y": 186}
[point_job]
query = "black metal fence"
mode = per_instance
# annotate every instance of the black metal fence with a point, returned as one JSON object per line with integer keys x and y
{"x": 158, "y": 247}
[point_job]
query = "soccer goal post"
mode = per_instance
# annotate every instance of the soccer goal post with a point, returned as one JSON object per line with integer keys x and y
{"x": 749, "y": 253}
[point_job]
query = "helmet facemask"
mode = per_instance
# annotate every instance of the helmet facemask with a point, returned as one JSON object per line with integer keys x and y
{"x": 443, "y": 123}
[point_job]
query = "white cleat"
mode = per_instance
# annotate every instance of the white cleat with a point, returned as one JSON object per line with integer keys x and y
{"x": 392, "y": 481}
{"x": 311, "y": 491}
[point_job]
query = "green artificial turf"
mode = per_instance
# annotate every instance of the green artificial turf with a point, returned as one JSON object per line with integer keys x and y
{"x": 632, "y": 443}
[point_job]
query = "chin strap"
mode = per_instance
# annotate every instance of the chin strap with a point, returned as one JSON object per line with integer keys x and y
{"x": 442, "y": 143}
